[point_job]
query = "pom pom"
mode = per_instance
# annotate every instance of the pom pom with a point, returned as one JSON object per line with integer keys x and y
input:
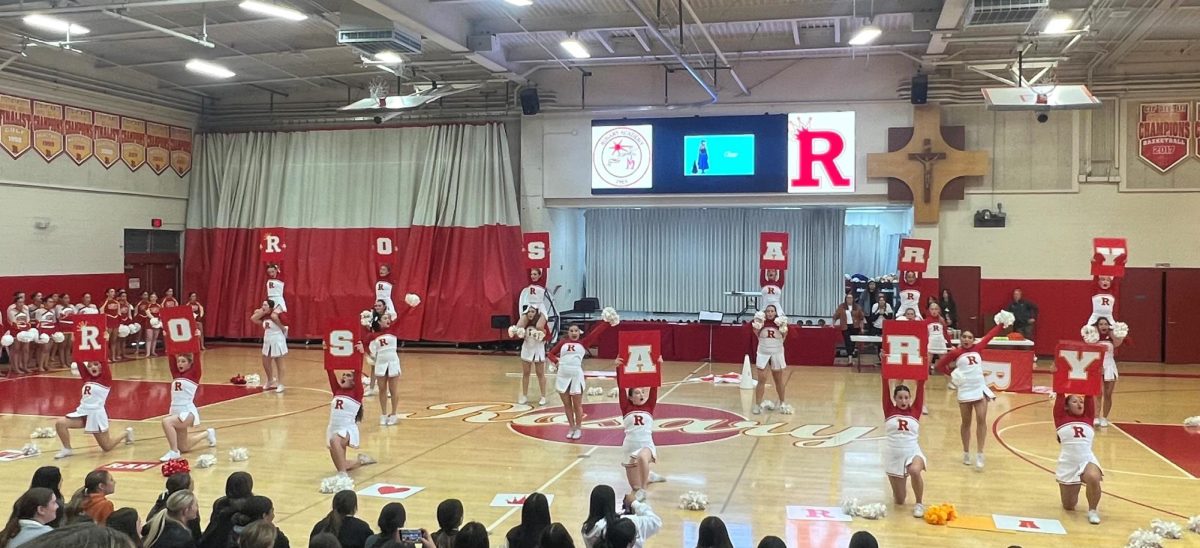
{"x": 1194, "y": 524}
{"x": 66, "y": 312}
{"x": 537, "y": 334}
{"x": 123, "y": 331}
{"x": 612, "y": 393}
{"x": 757, "y": 325}
{"x": 1144, "y": 539}
{"x": 940, "y": 514}
{"x": 30, "y": 450}
{"x": 334, "y": 484}
{"x": 869, "y": 511}
{"x": 75, "y": 369}
{"x": 175, "y": 466}
{"x": 155, "y": 323}
{"x": 1193, "y": 422}
{"x": 1090, "y": 334}
{"x": 957, "y": 376}
{"x": 1166, "y": 529}
{"x": 365, "y": 380}
{"x": 41, "y": 433}
{"x": 7, "y": 340}
{"x": 1004, "y": 318}
{"x": 25, "y": 337}
{"x": 89, "y": 310}
{"x": 239, "y": 454}
{"x": 512, "y": 331}
{"x": 783, "y": 328}
{"x": 693, "y": 500}
{"x": 760, "y": 316}
{"x": 520, "y": 333}
{"x": 237, "y": 380}
{"x": 34, "y": 333}
{"x": 58, "y": 337}
{"x": 206, "y": 461}
{"x": 595, "y": 391}
{"x": 135, "y": 328}
{"x": 43, "y": 339}
{"x": 364, "y": 318}
{"x": 781, "y": 321}
{"x": 412, "y": 299}
{"x": 253, "y": 380}
{"x": 609, "y": 314}
{"x": 1120, "y": 330}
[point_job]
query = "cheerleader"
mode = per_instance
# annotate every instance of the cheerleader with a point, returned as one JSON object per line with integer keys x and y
{"x": 150, "y": 319}
{"x": 383, "y": 346}
{"x": 91, "y": 415}
{"x": 66, "y": 329}
{"x": 344, "y": 413}
{"x": 383, "y": 288}
{"x": 275, "y": 287}
{"x": 771, "y": 330}
{"x": 903, "y": 458}
{"x": 17, "y": 318}
{"x": 169, "y": 300}
{"x": 532, "y": 328}
{"x": 638, "y": 451}
{"x": 198, "y": 314}
{"x": 1104, "y": 300}
{"x": 911, "y": 287}
{"x": 274, "y": 343}
{"x": 125, "y": 316}
{"x": 47, "y": 325}
{"x": 965, "y": 367}
{"x": 142, "y": 321}
{"x": 772, "y": 289}
{"x": 568, "y": 355}
{"x": 84, "y": 302}
{"x": 534, "y": 294}
{"x": 1110, "y": 335}
{"x": 1077, "y": 464}
{"x": 186, "y": 372}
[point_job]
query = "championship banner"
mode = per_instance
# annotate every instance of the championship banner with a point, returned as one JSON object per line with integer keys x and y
{"x": 905, "y": 350}
{"x": 158, "y": 142}
{"x": 133, "y": 142}
{"x": 271, "y": 246}
{"x": 106, "y": 138}
{"x": 1008, "y": 370}
{"x": 1109, "y": 256}
{"x": 535, "y": 249}
{"x": 91, "y": 338}
{"x": 1079, "y": 368}
{"x": 773, "y": 250}
{"x": 181, "y": 150}
{"x": 77, "y": 128}
{"x": 47, "y": 126}
{"x": 180, "y": 334}
{"x": 383, "y": 247}
{"x": 1164, "y": 134}
{"x": 914, "y": 255}
{"x": 16, "y": 114}
{"x": 341, "y": 352}
{"x": 641, "y": 351}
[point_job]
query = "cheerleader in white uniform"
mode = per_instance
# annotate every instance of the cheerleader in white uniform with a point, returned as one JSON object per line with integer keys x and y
{"x": 275, "y": 287}
{"x": 274, "y": 343}
{"x": 91, "y": 415}
{"x": 345, "y": 410}
{"x": 771, "y": 330}
{"x": 938, "y": 341}
{"x": 532, "y": 329}
{"x": 1077, "y": 464}
{"x": 534, "y": 294}
{"x": 383, "y": 347}
{"x": 47, "y": 325}
{"x": 66, "y": 326}
{"x": 903, "y": 458}
{"x": 1104, "y": 300}
{"x": 638, "y": 451}
{"x": 569, "y": 382}
{"x": 383, "y": 288}
{"x": 185, "y": 372}
{"x": 910, "y": 294}
{"x": 965, "y": 367}
{"x": 772, "y": 289}
{"x": 1110, "y": 335}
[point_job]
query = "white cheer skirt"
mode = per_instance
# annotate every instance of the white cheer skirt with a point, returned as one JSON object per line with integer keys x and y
{"x": 774, "y": 358}
{"x": 388, "y": 367}
{"x": 186, "y": 413}
{"x": 897, "y": 459}
{"x": 1070, "y": 467}
{"x": 570, "y": 380}
{"x": 974, "y": 388}
{"x": 95, "y": 421}
{"x": 631, "y": 448}
{"x": 348, "y": 431}
{"x": 275, "y": 346}
{"x": 1110, "y": 368}
{"x": 533, "y": 351}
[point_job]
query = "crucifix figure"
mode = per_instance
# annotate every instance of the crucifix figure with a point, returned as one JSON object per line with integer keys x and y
{"x": 927, "y": 157}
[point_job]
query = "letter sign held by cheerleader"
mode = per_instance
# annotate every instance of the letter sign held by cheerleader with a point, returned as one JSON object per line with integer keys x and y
{"x": 383, "y": 247}
{"x": 90, "y": 342}
{"x": 271, "y": 245}
{"x": 641, "y": 351}
{"x": 535, "y": 250}
{"x": 341, "y": 352}
{"x": 905, "y": 350}
{"x": 914, "y": 255}
{"x": 1109, "y": 256}
{"x": 179, "y": 330}
{"x": 1078, "y": 368}
{"x": 773, "y": 250}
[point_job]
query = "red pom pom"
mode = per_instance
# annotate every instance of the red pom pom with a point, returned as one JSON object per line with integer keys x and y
{"x": 238, "y": 380}
{"x": 175, "y": 466}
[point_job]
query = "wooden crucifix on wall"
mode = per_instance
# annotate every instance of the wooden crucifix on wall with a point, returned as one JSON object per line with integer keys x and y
{"x": 927, "y": 164}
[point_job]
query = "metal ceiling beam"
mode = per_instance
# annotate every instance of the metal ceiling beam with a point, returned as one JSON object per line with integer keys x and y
{"x": 156, "y": 28}
{"x": 49, "y": 8}
{"x": 653, "y": 30}
{"x": 226, "y": 57}
{"x": 1161, "y": 10}
{"x": 952, "y": 14}
{"x": 687, "y": 6}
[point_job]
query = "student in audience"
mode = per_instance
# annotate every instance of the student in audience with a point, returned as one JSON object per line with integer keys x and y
{"x": 167, "y": 528}
{"x": 82, "y": 535}
{"x": 126, "y": 520}
{"x": 949, "y": 308}
{"x": 264, "y": 534}
{"x": 449, "y": 516}
{"x": 556, "y": 536}
{"x": 535, "y": 518}
{"x": 863, "y": 539}
{"x": 391, "y": 519}
{"x": 175, "y": 483}
{"x": 239, "y": 486}
{"x": 602, "y": 511}
{"x": 472, "y": 535}
{"x": 881, "y": 311}
{"x": 620, "y": 534}
{"x": 50, "y": 477}
{"x": 849, "y": 318}
{"x": 254, "y": 509}
{"x": 323, "y": 540}
{"x": 713, "y": 534}
{"x": 30, "y": 517}
{"x": 92, "y": 499}
{"x": 771, "y": 541}
{"x": 350, "y": 531}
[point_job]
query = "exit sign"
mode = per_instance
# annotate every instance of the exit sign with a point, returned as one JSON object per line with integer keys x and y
{"x": 156, "y": 223}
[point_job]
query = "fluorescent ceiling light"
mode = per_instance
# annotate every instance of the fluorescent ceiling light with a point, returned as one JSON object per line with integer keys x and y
{"x": 1058, "y": 24}
{"x": 209, "y": 69}
{"x": 865, "y": 35}
{"x": 520, "y": 2}
{"x": 575, "y": 47}
{"x": 54, "y": 24}
{"x": 389, "y": 57}
{"x": 274, "y": 10}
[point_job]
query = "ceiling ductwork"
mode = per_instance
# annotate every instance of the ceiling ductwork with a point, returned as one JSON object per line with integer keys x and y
{"x": 991, "y": 13}
{"x": 371, "y": 34}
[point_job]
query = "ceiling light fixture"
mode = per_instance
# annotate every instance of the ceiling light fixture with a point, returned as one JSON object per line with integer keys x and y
{"x": 575, "y": 47}
{"x": 209, "y": 69}
{"x": 521, "y": 3}
{"x": 389, "y": 57}
{"x": 1058, "y": 24}
{"x": 865, "y": 35}
{"x": 274, "y": 10}
{"x": 54, "y": 24}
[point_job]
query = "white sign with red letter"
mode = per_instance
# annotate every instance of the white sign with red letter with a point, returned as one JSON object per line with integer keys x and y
{"x": 817, "y": 513}
{"x": 820, "y": 152}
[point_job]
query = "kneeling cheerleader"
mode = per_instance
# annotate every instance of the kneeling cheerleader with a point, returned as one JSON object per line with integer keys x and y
{"x": 186, "y": 373}
{"x": 345, "y": 411}
{"x": 92, "y": 414}
{"x": 1077, "y": 464}
{"x": 904, "y": 459}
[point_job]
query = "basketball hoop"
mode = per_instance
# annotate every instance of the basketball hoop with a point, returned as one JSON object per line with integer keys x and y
{"x": 379, "y": 88}
{"x": 1045, "y": 86}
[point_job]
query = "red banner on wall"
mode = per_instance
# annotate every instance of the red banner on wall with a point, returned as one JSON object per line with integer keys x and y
{"x": 77, "y": 127}
{"x": 181, "y": 150}
{"x": 905, "y": 350}
{"x": 107, "y": 138}
{"x": 158, "y": 144}
{"x": 47, "y": 126}
{"x": 641, "y": 351}
{"x": 773, "y": 250}
{"x": 90, "y": 337}
{"x": 16, "y": 114}
{"x": 1008, "y": 370}
{"x": 535, "y": 249}
{"x": 1079, "y": 368}
{"x": 1164, "y": 134}
{"x": 133, "y": 142}
{"x": 914, "y": 255}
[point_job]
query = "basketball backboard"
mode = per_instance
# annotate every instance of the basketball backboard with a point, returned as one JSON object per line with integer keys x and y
{"x": 1061, "y": 97}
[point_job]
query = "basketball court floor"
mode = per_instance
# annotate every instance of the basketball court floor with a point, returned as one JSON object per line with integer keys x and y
{"x": 464, "y": 437}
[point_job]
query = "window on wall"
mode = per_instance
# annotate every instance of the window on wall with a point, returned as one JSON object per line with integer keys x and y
{"x": 152, "y": 241}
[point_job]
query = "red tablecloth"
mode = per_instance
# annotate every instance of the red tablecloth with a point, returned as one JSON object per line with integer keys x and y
{"x": 688, "y": 342}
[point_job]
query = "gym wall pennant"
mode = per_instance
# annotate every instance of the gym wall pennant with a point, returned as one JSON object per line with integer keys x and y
{"x": 1164, "y": 134}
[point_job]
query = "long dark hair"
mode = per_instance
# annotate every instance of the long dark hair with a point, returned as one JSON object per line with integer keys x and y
{"x": 239, "y": 485}
{"x": 618, "y": 534}
{"x": 25, "y": 507}
{"x": 603, "y": 506}
{"x": 535, "y": 518}
{"x": 472, "y": 535}
{"x": 713, "y": 534}
{"x": 449, "y": 517}
{"x": 50, "y": 477}
{"x": 345, "y": 503}
{"x": 556, "y": 536}
{"x": 91, "y": 485}
{"x": 771, "y": 541}
{"x": 253, "y": 508}
{"x": 175, "y": 482}
{"x": 392, "y": 517}
{"x": 125, "y": 520}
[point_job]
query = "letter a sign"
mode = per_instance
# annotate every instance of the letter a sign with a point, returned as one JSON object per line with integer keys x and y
{"x": 91, "y": 344}
{"x": 1078, "y": 368}
{"x": 905, "y": 347}
{"x": 271, "y": 245}
{"x": 641, "y": 351}
{"x": 341, "y": 353}
{"x": 535, "y": 250}
{"x": 773, "y": 250}
{"x": 1108, "y": 256}
{"x": 914, "y": 255}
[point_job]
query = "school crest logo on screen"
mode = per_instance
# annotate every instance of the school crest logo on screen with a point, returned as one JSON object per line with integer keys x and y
{"x": 622, "y": 156}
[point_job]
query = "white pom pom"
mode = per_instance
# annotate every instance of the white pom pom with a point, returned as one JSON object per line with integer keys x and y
{"x": 67, "y": 311}
{"x": 1090, "y": 334}
{"x": 957, "y": 376}
{"x": 123, "y": 331}
{"x": 91, "y": 310}
{"x": 537, "y": 334}
{"x": 239, "y": 454}
{"x": 868, "y": 511}
{"x": 30, "y": 450}
{"x": 1120, "y": 330}
{"x": 520, "y": 333}
{"x": 757, "y": 325}
{"x": 43, "y": 432}
{"x": 612, "y": 393}
{"x": 135, "y": 328}
{"x": 1194, "y": 524}
{"x": 1166, "y": 529}
{"x": 7, "y": 339}
{"x": 783, "y": 328}
{"x": 609, "y": 315}
{"x": 595, "y": 391}
{"x": 155, "y": 323}
{"x": 1192, "y": 421}
{"x": 43, "y": 339}
{"x": 781, "y": 321}
{"x": 848, "y": 506}
{"x": 74, "y": 369}
{"x": 1144, "y": 539}
{"x": 760, "y": 316}
{"x": 693, "y": 500}
{"x": 58, "y": 337}
{"x": 412, "y": 299}
{"x": 1004, "y": 318}
{"x": 25, "y": 336}
{"x": 206, "y": 461}
{"x": 512, "y": 331}
{"x": 334, "y": 484}
{"x": 253, "y": 380}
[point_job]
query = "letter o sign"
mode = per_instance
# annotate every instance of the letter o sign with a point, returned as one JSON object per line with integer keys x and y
{"x": 383, "y": 246}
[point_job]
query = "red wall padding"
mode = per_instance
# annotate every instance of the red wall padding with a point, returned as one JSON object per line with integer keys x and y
{"x": 1063, "y": 307}
{"x": 463, "y": 276}
{"x": 74, "y": 284}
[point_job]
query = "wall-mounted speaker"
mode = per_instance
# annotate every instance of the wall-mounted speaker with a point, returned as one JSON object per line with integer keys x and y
{"x": 919, "y": 93}
{"x": 530, "y": 104}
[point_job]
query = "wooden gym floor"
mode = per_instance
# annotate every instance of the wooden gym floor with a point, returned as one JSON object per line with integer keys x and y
{"x": 464, "y": 437}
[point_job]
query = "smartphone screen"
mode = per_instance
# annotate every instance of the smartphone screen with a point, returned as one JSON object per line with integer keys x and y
{"x": 410, "y": 535}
